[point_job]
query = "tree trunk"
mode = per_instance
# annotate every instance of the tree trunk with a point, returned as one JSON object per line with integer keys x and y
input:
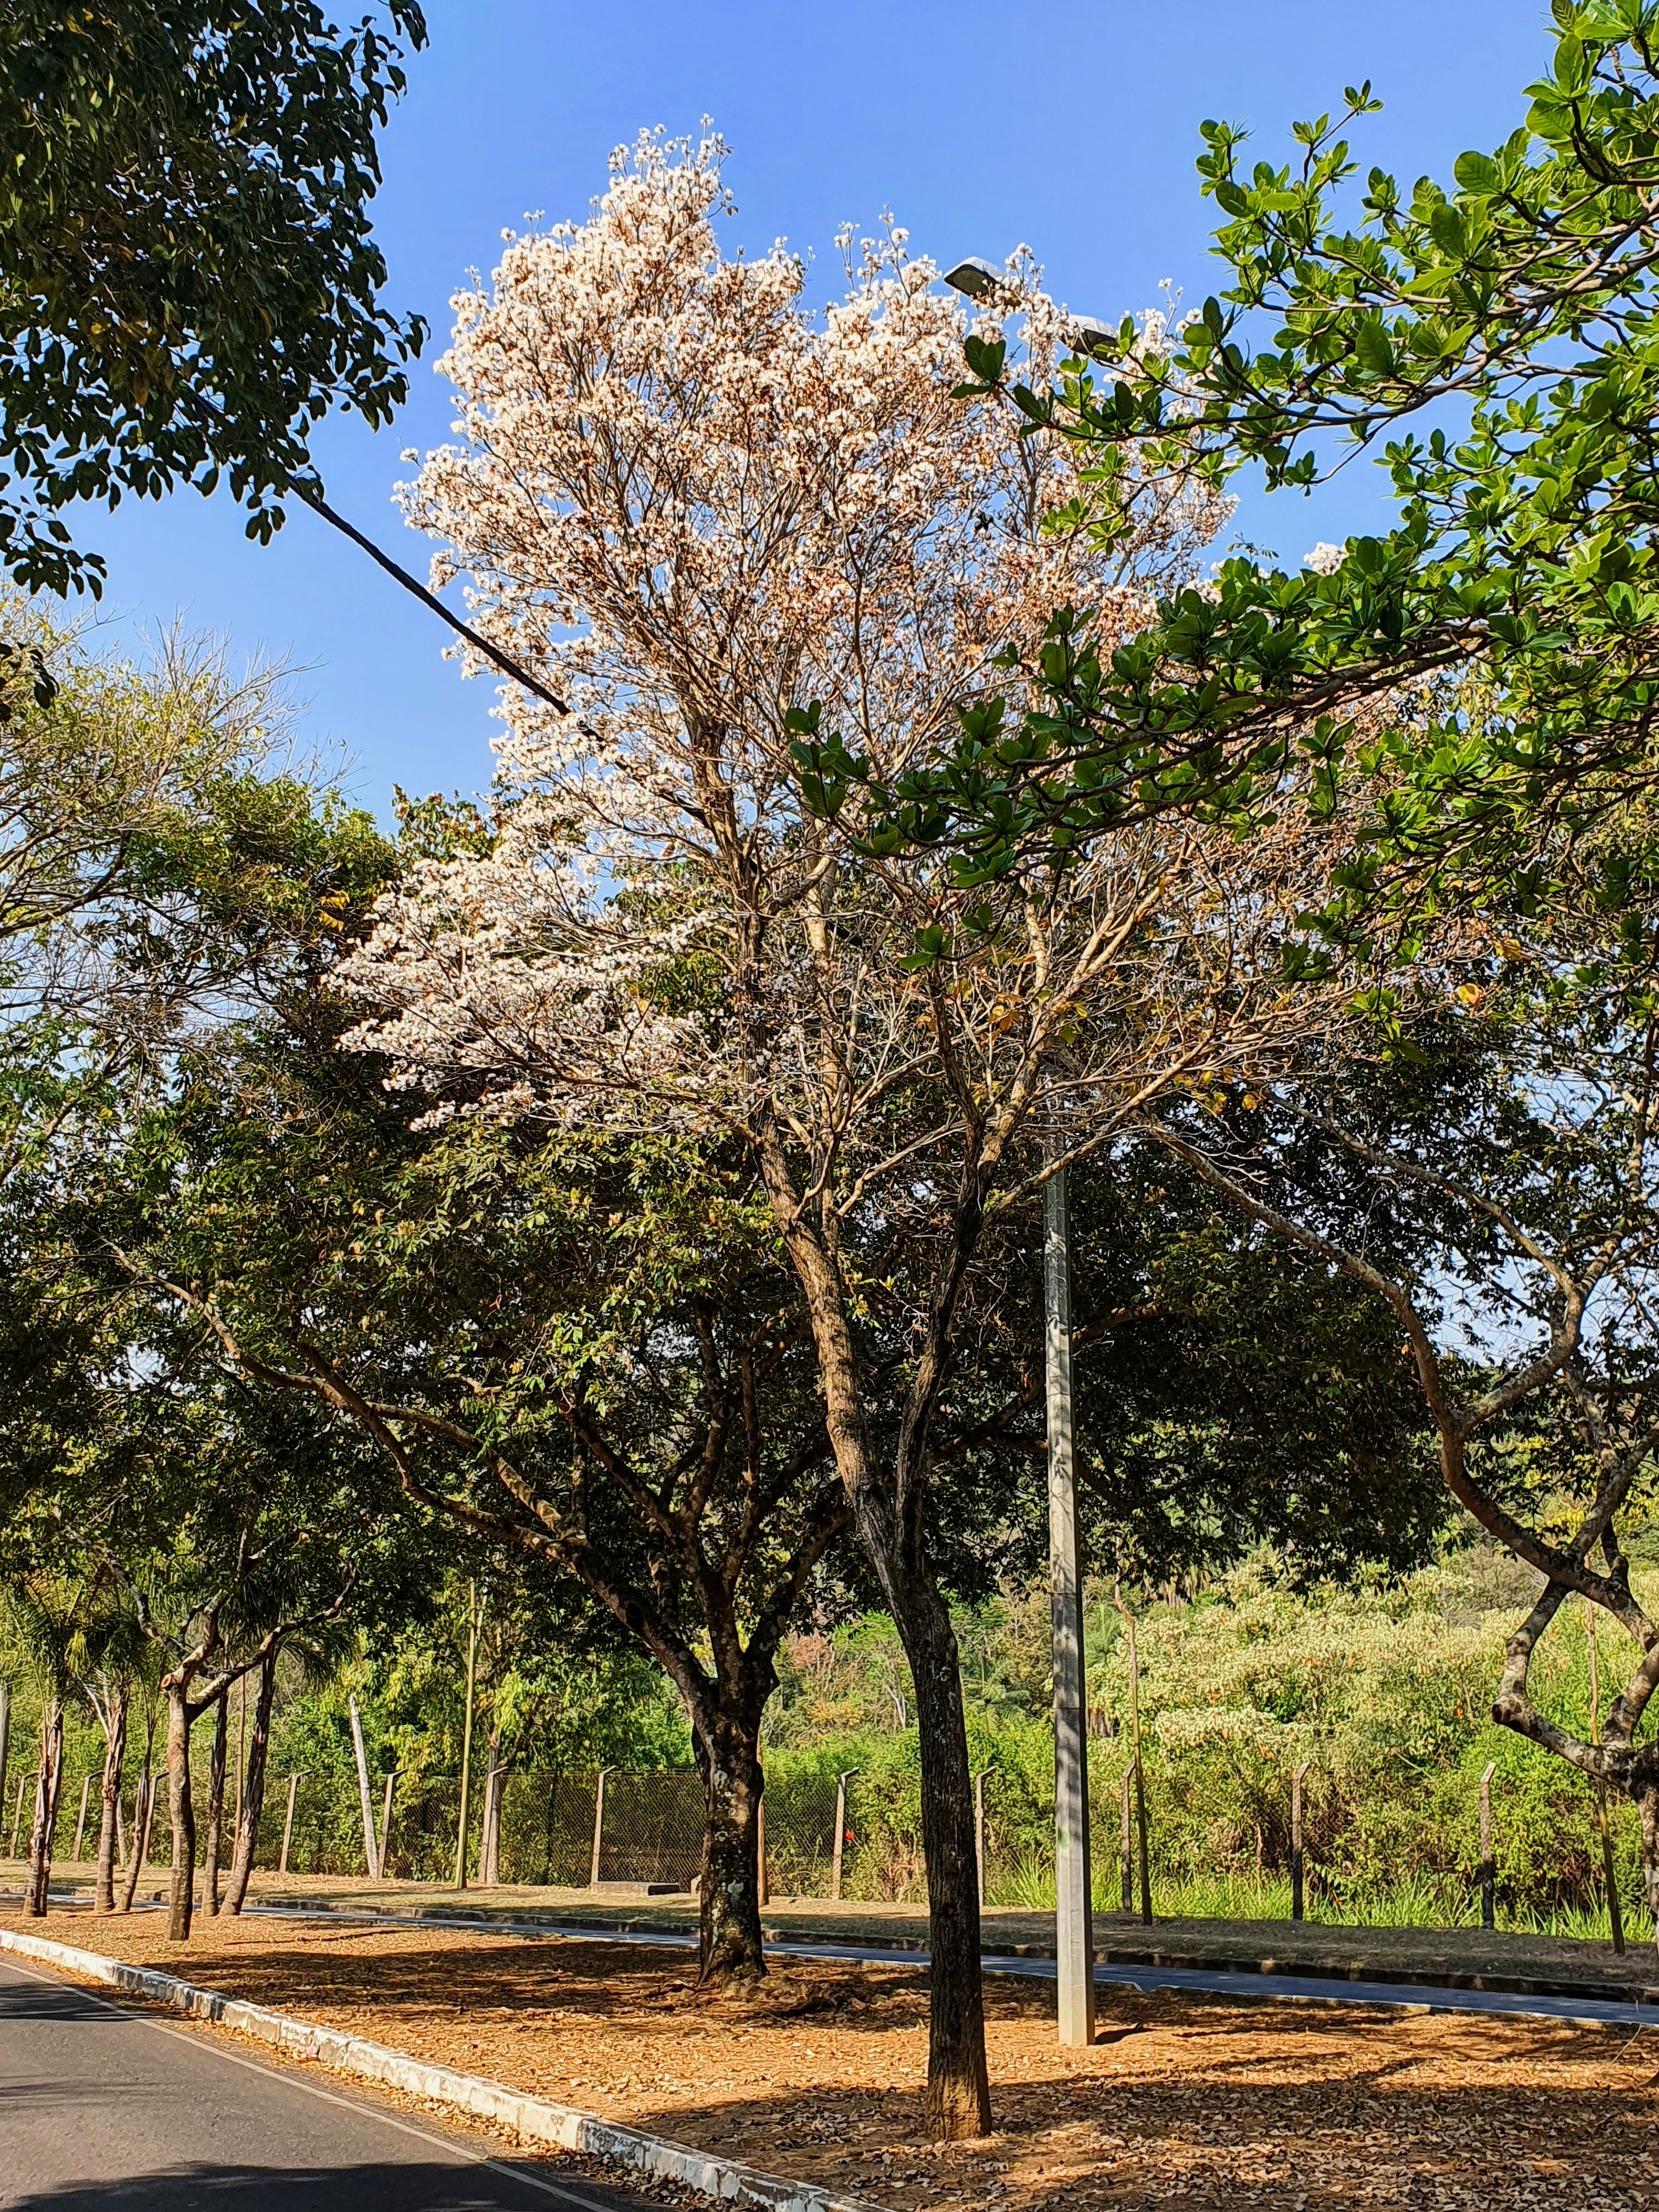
{"x": 141, "y": 1818}
{"x": 489, "y": 1844}
{"x": 253, "y": 1786}
{"x": 729, "y": 1921}
{"x": 215, "y": 1811}
{"x": 958, "y": 2099}
{"x": 181, "y": 1813}
{"x": 48, "y": 1781}
{"x": 115, "y": 1752}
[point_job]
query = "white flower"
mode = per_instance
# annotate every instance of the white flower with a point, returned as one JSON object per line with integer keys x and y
{"x": 1325, "y": 559}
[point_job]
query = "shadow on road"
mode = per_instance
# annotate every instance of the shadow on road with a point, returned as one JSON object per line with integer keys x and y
{"x": 58, "y": 2002}
{"x": 392, "y": 2187}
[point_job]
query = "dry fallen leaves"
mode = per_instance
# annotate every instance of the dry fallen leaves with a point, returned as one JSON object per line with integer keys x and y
{"x": 818, "y": 2073}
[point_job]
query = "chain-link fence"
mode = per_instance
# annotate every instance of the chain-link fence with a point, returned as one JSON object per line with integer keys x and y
{"x": 564, "y": 1830}
{"x": 571, "y": 1830}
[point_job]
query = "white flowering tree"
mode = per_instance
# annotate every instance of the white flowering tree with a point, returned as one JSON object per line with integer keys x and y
{"x": 769, "y": 560}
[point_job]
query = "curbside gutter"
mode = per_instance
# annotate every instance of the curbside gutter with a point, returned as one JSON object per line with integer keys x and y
{"x": 535, "y": 2120}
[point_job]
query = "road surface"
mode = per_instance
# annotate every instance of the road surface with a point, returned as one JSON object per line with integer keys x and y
{"x": 107, "y": 2111}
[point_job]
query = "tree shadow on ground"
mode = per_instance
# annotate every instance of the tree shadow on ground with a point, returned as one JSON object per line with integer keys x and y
{"x": 423, "y": 2186}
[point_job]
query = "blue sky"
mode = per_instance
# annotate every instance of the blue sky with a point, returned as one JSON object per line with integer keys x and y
{"x": 1071, "y": 127}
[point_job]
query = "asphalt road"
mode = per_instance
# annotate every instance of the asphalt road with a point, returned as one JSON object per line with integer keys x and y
{"x": 107, "y": 2111}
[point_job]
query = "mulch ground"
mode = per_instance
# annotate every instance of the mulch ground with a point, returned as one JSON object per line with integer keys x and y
{"x": 818, "y": 2073}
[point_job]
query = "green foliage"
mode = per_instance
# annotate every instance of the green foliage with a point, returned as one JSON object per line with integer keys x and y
{"x": 191, "y": 281}
{"x": 1383, "y": 1690}
{"x": 1515, "y": 308}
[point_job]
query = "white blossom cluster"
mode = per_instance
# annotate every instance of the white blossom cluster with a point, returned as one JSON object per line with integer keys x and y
{"x": 690, "y": 507}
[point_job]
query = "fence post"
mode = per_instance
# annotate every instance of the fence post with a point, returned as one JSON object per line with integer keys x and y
{"x": 760, "y": 1847}
{"x": 81, "y": 1821}
{"x": 1127, "y": 1845}
{"x": 386, "y": 1822}
{"x": 17, "y": 1813}
{"x": 1296, "y": 1840}
{"x": 366, "y": 1805}
{"x": 979, "y": 1828}
{"x": 841, "y": 1781}
{"x": 598, "y": 1822}
{"x": 293, "y": 1782}
{"x": 1488, "y": 1872}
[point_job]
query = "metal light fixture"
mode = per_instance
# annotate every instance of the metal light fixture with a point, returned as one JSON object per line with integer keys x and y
{"x": 977, "y": 279}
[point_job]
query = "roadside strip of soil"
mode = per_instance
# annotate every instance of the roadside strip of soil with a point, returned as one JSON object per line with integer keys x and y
{"x": 1435, "y": 1958}
{"x": 816, "y": 2074}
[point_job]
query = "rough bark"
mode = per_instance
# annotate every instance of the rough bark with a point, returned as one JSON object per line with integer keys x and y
{"x": 888, "y": 1504}
{"x": 959, "y": 2098}
{"x": 490, "y": 1844}
{"x": 115, "y": 1752}
{"x": 729, "y": 1923}
{"x": 47, "y": 1782}
{"x": 181, "y": 1813}
{"x": 253, "y": 1785}
{"x": 216, "y": 1807}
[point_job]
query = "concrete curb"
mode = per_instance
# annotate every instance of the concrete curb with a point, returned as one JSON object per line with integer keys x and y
{"x": 534, "y": 2119}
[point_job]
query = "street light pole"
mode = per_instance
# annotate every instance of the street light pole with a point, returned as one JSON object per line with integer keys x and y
{"x": 1074, "y": 1947}
{"x": 1074, "y": 1944}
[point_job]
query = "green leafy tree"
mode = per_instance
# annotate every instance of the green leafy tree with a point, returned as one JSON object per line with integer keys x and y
{"x": 1510, "y": 308}
{"x": 191, "y": 281}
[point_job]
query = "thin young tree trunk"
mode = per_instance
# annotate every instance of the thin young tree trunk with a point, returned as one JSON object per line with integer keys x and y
{"x": 489, "y": 1854}
{"x": 253, "y": 1786}
{"x": 181, "y": 1813}
{"x": 729, "y": 1921}
{"x": 115, "y": 1752}
{"x": 141, "y": 1818}
{"x": 48, "y": 1781}
{"x": 215, "y": 1809}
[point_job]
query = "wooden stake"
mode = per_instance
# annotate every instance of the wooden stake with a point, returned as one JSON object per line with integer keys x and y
{"x": 80, "y": 1822}
{"x": 1127, "y": 1848}
{"x": 1488, "y": 1872}
{"x": 475, "y": 1618}
{"x": 1609, "y": 1871}
{"x": 841, "y": 1781}
{"x": 1296, "y": 1841}
{"x": 293, "y": 1782}
{"x": 385, "y": 1824}
{"x": 365, "y": 1804}
{"x": 598, "y": 1822}
{"x": 979, "y": 1829}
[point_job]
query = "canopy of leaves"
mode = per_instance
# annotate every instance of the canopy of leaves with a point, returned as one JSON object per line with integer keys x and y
{"x": 1518, "y": 304}
{"x": 190, "y": 282}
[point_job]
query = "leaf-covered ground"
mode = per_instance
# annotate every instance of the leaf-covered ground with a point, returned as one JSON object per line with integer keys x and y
{"x": 819, "y": 2072}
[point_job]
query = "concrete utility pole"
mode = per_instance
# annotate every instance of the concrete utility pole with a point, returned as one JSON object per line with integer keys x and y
{"x": 1074, "y": 1944}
